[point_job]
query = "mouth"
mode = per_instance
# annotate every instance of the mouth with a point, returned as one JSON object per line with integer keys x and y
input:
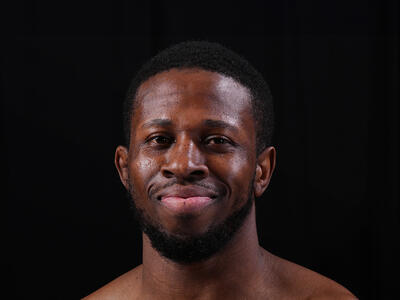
{"x": 187, "y": 199}
{"x": 184, "y": 206}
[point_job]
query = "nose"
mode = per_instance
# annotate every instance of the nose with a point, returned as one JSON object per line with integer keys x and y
{"x": 185, "y": 162}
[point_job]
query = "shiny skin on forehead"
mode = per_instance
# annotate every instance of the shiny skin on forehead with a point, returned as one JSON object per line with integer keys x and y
{"x": 219, "y": 96}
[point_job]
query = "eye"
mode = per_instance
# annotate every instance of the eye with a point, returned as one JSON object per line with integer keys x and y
{"x": 160, "y": 140}
{"x": 217, "y": 140}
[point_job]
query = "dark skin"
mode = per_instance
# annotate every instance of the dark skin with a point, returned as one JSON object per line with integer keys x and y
{"x": 173, "y": 139}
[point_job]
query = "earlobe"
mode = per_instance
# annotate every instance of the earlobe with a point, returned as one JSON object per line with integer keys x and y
{"x": 264, "y": 169}
{"x": 121, "y": 163}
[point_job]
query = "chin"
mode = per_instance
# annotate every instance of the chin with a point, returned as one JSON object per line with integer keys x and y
{"x": 186, "y": 243}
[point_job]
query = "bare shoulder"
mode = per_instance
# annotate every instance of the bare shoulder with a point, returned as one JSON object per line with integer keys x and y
{"x": 120, "y": 288}
{"x": 301, "y": 283}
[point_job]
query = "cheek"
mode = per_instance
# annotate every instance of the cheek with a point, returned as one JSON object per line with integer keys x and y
{"x": 141, "y": 171}
{"x": 237, "y": 173}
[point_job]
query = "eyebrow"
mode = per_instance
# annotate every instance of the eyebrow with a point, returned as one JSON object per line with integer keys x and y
{"x": 219, "y": 124}
{"x": 208, "y": 123}
{"x": 157, "y": 122}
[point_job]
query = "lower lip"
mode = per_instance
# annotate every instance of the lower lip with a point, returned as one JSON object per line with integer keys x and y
{"x": 186, "y": 205}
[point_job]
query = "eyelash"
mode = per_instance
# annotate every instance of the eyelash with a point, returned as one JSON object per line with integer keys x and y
{"x": 158, "y": 136}
{"x": 220, "y": 138}
{"x": 225, "y": 140}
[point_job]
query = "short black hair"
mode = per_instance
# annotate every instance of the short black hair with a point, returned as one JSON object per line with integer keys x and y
{"x": 216, "y": 58}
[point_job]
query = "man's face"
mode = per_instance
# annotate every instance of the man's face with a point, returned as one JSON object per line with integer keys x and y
{"x": 192, "y": 153}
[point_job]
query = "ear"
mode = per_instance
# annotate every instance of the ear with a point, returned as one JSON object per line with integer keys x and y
{"x": 264, "y": 169}
{"x": 121, "y": 162}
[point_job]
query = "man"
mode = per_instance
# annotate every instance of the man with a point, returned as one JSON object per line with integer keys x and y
{"x": 199, "y": 121}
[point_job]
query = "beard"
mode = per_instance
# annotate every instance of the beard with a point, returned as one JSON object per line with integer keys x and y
{"x": 191, "y": 249}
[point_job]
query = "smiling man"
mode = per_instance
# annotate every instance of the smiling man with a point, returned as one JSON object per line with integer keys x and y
{"x": 199, "y": 121}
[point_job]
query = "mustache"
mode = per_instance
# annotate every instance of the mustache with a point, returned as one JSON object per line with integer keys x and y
{"x": 155, "y": 189}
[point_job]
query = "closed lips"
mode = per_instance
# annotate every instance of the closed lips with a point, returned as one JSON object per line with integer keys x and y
{"x": 186, "y": 192}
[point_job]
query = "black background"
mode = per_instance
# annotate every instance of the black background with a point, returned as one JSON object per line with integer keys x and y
{"x": 333, "y": 69}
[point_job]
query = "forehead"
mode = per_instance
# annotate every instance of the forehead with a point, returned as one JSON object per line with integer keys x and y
{"x": 190, "y": 94}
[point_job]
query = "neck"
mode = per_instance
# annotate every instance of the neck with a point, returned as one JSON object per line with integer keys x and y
{"x": 238, "y": 265}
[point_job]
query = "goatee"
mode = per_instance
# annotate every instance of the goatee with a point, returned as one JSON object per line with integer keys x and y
{"x": 190, "y": 249}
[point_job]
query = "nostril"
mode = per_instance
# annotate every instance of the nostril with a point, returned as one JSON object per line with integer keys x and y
{"x": 198, "y": 173}
{"x": 184, "y": 171}
{"x": 167, "y": 173}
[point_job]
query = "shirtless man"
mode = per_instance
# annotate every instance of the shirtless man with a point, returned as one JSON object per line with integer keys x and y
{"x": 199, "y": 121}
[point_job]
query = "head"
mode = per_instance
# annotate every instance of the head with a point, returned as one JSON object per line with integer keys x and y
{"x": 198, "y": 124}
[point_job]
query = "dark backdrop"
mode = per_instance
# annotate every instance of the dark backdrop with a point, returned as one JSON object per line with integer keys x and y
{"x": 333, "y": 69}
